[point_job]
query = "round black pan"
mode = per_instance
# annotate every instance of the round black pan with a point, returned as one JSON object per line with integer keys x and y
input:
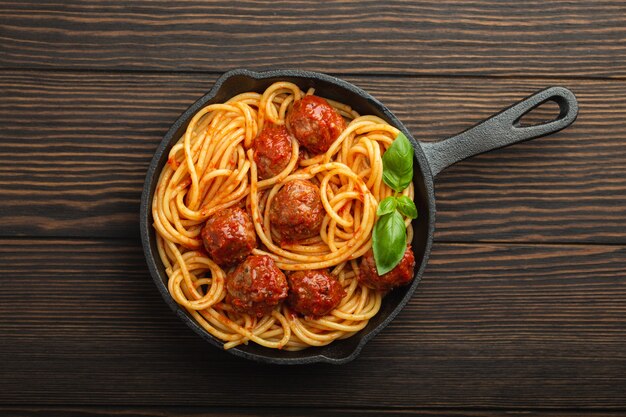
{"x": 500, "y": 130}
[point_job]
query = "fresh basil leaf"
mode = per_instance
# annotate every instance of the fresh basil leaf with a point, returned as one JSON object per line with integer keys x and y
{"x": 389, "y": 241}
{"x": 388, "y": 205}
{"x": 406, "y": 207}
{"x": 398, "y": 163}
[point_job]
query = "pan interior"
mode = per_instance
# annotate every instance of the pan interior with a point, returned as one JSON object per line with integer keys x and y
{"x": 242, "y": 81}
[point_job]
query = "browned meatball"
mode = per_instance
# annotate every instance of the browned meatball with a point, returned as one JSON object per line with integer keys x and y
{"x": 314, "y": 293}
{"x": 228, "y": 236}
{"x": 272, "y": 151}
{"x": 402, "y": 274}
{"x": 256, "y": 286}
{"x": 315, "y": 123}
{"x": 297, "y": 212}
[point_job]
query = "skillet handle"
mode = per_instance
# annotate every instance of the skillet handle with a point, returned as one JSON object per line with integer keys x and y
{"x": 503, "y": 129}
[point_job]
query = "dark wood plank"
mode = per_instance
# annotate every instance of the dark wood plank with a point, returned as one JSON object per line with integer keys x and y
{"x": 76, "y": 147}
{"x": 491, "y": 326}
{"x": 66, "y": 411}
{"x": 483, "y": 37}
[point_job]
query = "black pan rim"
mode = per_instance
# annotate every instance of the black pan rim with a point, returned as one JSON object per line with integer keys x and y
{"x": 146, "y": 222}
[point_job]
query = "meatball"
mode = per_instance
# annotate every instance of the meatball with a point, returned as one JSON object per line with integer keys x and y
{"x": 272, "y": 151}
{"x": 228, "y": 236}
{"x": 256, "y": 286}
{"x": 315, "y": 124}
{"x": 297, "y": 212}
{"x": 402, "y": 274}
{"x": 314, "y": 292}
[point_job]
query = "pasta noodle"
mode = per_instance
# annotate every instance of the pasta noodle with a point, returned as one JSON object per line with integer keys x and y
{"x": 212, "y": 168}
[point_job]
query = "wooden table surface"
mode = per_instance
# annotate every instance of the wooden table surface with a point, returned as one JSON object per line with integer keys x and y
{"x": 522, "y": 309}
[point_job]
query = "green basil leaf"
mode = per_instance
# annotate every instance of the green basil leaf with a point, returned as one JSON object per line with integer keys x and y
{"x": 406, "y": 207}
{"x": 398, "y": 163}
{"x": 389, "y": 241}
{"x": 388, "y": 205}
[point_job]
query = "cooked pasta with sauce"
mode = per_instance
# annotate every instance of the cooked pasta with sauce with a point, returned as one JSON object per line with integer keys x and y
{"x": 264, "y": 216}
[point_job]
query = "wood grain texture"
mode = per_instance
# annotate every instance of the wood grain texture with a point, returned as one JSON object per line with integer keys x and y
{"x": 76, "y": 146}
{"x": 69, "y": 411}
{"x": 484, "y": 37}
{"x": 491, "y": 326}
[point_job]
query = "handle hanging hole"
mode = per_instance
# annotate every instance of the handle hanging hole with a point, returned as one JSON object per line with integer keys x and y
{"x": 546, "y": 112}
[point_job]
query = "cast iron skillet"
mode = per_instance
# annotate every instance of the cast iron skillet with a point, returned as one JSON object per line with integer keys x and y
{"x": 501, "y": 130}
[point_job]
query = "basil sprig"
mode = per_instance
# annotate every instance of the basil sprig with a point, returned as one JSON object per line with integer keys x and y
{"x": 389, "y": 236}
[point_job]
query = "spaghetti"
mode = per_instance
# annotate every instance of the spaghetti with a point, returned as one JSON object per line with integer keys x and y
{"x": 212, "y": 168}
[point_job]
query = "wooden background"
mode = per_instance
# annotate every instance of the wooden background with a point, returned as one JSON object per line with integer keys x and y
{"x": 522, "y": 310}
